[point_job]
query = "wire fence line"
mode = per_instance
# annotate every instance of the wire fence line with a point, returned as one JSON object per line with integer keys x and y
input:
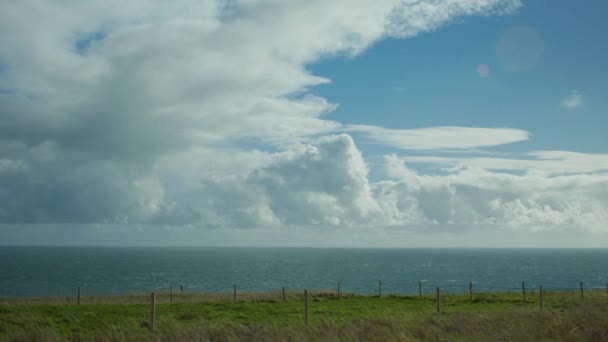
{"x": 440, "y": 294}
{"x": 375, "y": 288}
{"x": 440, "y": 297}
{"x": 361, "y": 284}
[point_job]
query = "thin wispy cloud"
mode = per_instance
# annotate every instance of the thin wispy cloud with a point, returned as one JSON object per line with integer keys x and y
{"x": 547, "y": 162}
{"x": 440, "y": 138}
{"x": 573, "y": 100}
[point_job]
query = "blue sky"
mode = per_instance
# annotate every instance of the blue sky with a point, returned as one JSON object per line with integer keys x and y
{"x": 432, "y": 79}
{"x": 384, "y": 123}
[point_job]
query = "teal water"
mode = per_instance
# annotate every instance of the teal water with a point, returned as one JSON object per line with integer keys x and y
{"x": 52, "y": 271}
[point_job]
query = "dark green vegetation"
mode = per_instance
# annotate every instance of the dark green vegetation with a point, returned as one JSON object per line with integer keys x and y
{"x": 488, "y": 317}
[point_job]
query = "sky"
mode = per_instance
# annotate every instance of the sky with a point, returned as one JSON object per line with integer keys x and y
{"x": 384, "y": 123}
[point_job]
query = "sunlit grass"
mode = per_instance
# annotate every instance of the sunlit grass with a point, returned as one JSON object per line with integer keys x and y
{"x": 265, "y": 316}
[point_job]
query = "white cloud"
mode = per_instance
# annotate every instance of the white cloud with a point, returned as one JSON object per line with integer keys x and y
{"x": 101, "y": 95}
{"x": 573, "y": 100}
{"x": 441, "y": 138}
{"x": 325, "y": 184}
{"x": 546, "y": 162}
{"x": 476, "y": 198}
{"x": 412, "y": 17}
{"x": 307, "y": 185}
{"x": 136, "y": 113}
{"x": 320, "y": 185}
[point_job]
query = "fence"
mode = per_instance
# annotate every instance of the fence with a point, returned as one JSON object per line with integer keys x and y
{"x": 424, "y": 292}
{"x": 373, "y": 287}
{"x": 419, "y": 288}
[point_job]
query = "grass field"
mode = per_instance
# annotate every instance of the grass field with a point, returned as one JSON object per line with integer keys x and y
{"x": 488, "y": 317}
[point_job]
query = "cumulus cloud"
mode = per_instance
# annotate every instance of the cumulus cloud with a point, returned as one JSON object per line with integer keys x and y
{"x": 323, "y": 184}
{"x": 326, "y": 184}
{"x": 474, "y": 196}
{"x": 48, "y": 185}
{"x": 138, "y": 112}
{"x": 203, "y": 114}
{"x": 573, "y": 100}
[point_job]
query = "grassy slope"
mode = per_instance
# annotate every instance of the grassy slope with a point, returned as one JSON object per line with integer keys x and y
{"x": 488, "y": 317}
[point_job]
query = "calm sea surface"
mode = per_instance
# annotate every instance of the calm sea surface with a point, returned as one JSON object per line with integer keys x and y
{"x": 51, "y": 271}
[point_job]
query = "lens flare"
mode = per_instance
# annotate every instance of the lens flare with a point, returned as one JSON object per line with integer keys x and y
{"x": 483, "y": 70}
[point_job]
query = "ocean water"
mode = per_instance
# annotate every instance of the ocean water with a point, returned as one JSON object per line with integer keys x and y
{"x": 58, "y": 271}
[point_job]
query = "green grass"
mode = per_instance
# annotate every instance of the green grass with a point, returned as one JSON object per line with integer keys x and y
{"x": 499, "y": 316}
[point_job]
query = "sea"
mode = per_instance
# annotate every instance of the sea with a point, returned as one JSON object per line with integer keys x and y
{"x": 59, "y": 271}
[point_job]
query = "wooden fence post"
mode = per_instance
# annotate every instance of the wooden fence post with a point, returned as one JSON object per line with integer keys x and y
{"x": 306, "y": 307}
{"x": 78, "y": 300}
{"x": 438, "y": 303}
{"x": 420, "y": 289}
{"x": 379, "y": 288}
{"x": 540, "y": 293}
{"x": 338, "y": 290}
{"x": 582, "y": 291}
{"x": 523, "y": 290}
{"x": 152, "y": 312}
{"x": 234, "y": 293}
{"x": 283, "y": 293}
{"x": 171, "y": 294}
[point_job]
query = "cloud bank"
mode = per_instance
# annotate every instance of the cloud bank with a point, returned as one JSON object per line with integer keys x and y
{"x": 203, "y": 114}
